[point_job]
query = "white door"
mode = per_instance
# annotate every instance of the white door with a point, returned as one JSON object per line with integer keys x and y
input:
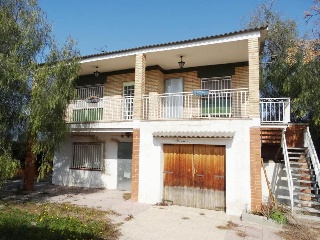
{"x": 128, "y": 94}
{"x": 173, "y": 102}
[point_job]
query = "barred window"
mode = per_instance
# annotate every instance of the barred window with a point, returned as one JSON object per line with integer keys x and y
{"x": 87, "y": 156}
{"x": 216, "y": 83}
{"x": 90, "y": 91}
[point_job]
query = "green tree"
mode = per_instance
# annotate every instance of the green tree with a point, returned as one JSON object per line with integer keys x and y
{"x": 36, "y": 83}
{"x": 314, "y": 14}
{"x": 290, "y": 65}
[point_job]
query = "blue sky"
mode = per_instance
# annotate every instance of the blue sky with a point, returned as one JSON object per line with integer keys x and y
{"x": 122, "y": 24}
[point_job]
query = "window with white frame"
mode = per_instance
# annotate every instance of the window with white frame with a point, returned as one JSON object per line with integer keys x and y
{"x": 87, "y": 156}
{"x": 216, "y": 83}
{"x": 90, "y": 91}
{"x": 218, "y": 102}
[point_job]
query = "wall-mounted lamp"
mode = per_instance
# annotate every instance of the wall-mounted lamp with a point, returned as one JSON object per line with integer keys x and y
{"x": 96, "y": 73}
{"x": 127, "y": 134}
{"x": 181, "y": 63}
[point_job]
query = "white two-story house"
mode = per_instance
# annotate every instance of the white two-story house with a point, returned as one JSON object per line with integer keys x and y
{"x": 178, "y": 122}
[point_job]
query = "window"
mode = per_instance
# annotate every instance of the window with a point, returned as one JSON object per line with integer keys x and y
{"x": 87, "y": 156}
{"x": 128, "y": 93}
{"x": 218, "y": 102}
{"x": 90, "y": 91}
{"x": 88, "y": 107}
{"x": 216, "y": 83}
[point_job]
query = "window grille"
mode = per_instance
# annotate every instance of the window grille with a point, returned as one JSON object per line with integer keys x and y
{"x": 90, "y": 91}
{"x": 219, "y": 101}
{"x": 216, "y": 83}
{"x": 87, "y": 156}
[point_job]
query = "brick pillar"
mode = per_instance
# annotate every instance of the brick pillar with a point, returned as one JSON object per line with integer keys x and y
{"x": 255, "y": 169}
{"x": 135, "y": 164}
{"x": 139, "y": 85}
{"x": 253, "y": 51}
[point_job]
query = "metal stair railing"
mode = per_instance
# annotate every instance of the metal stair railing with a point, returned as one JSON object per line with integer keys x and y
{"x": 287, "y": 164}
{"x": 312, "y": 154}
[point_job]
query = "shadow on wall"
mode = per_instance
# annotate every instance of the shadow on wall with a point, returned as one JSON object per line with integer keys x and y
{"x": 279, "y": 182}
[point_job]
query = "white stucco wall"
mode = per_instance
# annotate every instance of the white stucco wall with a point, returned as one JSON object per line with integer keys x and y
{"x": 107, "y": 178}
{"x": 238, "y": 193}
{"x": 277, "y": 177}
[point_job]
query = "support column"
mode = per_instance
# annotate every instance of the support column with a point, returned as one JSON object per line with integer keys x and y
{"x": 255, "y": 169}
{"x": 135, "y": 164}
{"x": 254, "y": 71}
{"x": 139, "y": 85}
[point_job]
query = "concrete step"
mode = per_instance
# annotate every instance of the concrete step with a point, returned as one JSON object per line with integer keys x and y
{"x": 301, "y": 164}
{"x": 296, "y": 153}
{"x": 306, "y": 194}
{"x": 306, "y": 209}
{"x": 298, "y": 188}
{"x": 299, "y": 175}
{"x": 312, "y": 203}
{"x": 305, "y": 181}
{"x": 291, "y": 158}
{"x": 296, "y": 149}
{"x": 300, "y": 169}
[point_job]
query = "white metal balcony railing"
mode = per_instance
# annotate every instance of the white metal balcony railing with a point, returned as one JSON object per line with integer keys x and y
{"x": 115, "y": 108}
{"x": 227, "y": 103}
{"x": 186, "y": 105}
{"x": 275, "y": 110}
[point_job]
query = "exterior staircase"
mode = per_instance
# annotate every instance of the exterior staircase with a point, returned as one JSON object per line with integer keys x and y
{"x": 306, "y": 192}
{"x": 298, "y": 188}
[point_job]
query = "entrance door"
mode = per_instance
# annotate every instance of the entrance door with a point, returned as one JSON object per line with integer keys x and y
{"x": 173, "y": 101}
{"x": 194, "y": 175}
{"x": 124, "y": 166}
{"x": 128, "y": 94}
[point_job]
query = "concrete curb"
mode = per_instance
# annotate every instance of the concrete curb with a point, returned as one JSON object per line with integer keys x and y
{"x": 247, "y": 217}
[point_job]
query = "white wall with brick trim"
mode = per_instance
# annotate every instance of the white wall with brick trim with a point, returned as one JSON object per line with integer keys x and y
{"x": 238, "y": 193}
{"x": 107, "y": 178}
{"x": 253, "y": 55}
{"x": 277, "y": 177}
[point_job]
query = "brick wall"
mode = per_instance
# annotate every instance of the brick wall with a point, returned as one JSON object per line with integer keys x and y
{"x": 114, "y": 84}
{"x": 135, "y": 164}
{"x": 191, "y": 81}
{"x": 253, "y": 49}
{"x": 139, "y": 85}
{"x": 295, "y": 135}
{"x": 255, "y": 169}
{"x": 154, "y": 81}
{"x": 241, "y": 78}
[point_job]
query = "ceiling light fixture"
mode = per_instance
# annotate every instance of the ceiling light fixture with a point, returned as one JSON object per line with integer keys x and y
{"x": 96, "y": 73}
{"x": 181, "y": 63}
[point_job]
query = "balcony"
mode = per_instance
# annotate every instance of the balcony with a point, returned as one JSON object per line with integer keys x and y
{"x": 115, "y": 108}
{"x": 228, "y": 103}
{"x": 188, "y": 105}
{"x": 274, "y": 110}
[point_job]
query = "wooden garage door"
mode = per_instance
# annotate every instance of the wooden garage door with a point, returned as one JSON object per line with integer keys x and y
{"x": 194, "y": 175}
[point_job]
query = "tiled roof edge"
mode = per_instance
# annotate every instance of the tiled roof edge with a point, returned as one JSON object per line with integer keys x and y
{"x": 175, "y": 43}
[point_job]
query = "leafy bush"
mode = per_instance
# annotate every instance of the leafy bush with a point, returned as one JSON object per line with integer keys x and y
{"x": 278, "y": 216}
{"x": 8, "y": 166}
{"x": 277, "y": 213}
